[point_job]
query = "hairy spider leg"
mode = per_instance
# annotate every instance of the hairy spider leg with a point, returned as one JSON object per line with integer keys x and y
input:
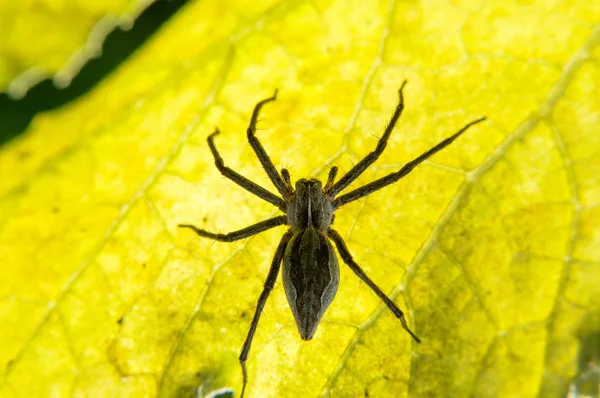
{"x": 368, "y": 160}
{"x": 347, "y": 257}
{"x": 269, "y": 284}
{"x": 286, "y": 177}
{"x": 264, "y": 159}
{"x": 393, "y": 177}
{"x": 240, "y": 180}
{"x": 239, "y": 234}
{"x": 330, "y": 178}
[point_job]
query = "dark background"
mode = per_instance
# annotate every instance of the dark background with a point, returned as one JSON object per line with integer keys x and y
{"x": 15, "y": 115}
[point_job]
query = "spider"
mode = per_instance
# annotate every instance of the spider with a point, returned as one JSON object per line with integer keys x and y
{"x": 310, "y": 266}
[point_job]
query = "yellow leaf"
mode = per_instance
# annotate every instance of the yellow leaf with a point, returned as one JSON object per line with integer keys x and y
{"x": 55, "y": 38}
{"x": 492, "y": 247}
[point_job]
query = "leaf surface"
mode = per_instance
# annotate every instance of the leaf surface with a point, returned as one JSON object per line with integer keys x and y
{"x": 53, "y": 38}
{"x": 492, "y": 247}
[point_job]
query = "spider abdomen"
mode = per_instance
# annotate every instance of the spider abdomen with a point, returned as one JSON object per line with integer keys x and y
{"x": 311, "y": 277}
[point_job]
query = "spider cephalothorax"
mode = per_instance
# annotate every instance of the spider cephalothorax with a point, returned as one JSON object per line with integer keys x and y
{"x": 310, "y": 267}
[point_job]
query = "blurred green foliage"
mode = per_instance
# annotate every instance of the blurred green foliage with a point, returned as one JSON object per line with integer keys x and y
{"x": 16, "y": 114}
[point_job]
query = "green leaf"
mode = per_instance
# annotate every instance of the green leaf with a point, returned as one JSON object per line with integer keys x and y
{"x": 492, "y": 247}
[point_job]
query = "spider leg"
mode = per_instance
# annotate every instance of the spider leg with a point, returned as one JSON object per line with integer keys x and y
{"x": 265, "y": 160}
{"x": 368, "y": 160}
{"x": 393, "y": 177}
{"x": 286, "y": 177}
{"x": 242, "y": 233}
{"x": 269, "y": 283}
{"x": 347, "y": 257}
{"x": 239, "y": 179}
{"x": 330, "y": 178}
